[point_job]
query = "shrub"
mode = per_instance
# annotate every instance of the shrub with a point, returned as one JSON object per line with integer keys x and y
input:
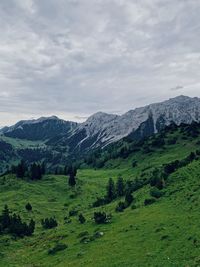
{"x": 100, "y": 217}
{"x": 99, "y": 202}
{"x": 73, "y": 212}
{"x": 134, "y": 163}
{"x": 28, "y": 207}
{"x": 49, "y": 223}
{"x": 120, "y": 207}
{"x": 149, "y": 201}
{"x": 81, "y": 218}
{"x": 128, "y": 199}
{"x": 58, "y": 247}
{"x": 155, "y": 192}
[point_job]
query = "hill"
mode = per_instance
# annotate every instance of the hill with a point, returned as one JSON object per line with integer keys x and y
{"x": 147, "y": 233}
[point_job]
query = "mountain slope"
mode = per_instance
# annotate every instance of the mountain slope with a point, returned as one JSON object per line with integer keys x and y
{"x": 69, "y": 140}
{"x": 40, "y": 129}
{"x": 102, "y": 129}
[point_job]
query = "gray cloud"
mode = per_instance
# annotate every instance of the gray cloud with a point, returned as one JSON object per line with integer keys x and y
{"x": 73, "y": 58}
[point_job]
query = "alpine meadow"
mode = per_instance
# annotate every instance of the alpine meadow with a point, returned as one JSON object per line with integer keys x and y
{"x": 99, "y": 133}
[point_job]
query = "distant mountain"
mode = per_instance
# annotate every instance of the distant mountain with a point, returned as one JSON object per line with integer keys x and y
{"x": 43, "y": 128}
{"x": 102, "y": 129}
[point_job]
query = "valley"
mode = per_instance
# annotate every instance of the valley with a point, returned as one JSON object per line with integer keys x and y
{"x": 165, "y": 232}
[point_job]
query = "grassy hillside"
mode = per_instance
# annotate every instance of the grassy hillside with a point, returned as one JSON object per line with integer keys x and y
{"x": 165, "y": 233}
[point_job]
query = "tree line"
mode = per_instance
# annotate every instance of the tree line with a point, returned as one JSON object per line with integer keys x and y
{"x": 35, "y": 171}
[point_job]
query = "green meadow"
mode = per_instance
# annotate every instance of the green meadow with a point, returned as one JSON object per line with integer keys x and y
{"x": 165, "y": 233}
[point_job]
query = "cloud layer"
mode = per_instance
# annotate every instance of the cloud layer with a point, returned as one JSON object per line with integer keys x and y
{"x": 72, "y": 58}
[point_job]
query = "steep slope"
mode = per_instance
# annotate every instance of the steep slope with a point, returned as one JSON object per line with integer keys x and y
{"x": 40, "y": 129}
{"x": 102, "y": 129}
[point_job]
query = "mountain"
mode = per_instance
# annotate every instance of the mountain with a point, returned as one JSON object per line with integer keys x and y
{"x": 102, "y": 129}
{"x": 41, "y": 129}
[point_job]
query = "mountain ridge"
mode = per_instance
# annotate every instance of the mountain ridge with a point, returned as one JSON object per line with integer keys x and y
{"x": 101, "y": 128}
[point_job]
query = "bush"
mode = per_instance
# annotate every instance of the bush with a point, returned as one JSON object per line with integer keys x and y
{"x": 156, "y": 193}
{"x": 73, "y": 212}
{"x": 149, "y": 201}
{"x": 134, "y": 163}
{"x": 28, "y": 207}
{"x": 99, "y": 202}
{"x": 81, "y": 218}
{"x": 58, "y": 247}
{"x": 120, "y": 207}
{"x": 49, "y": 223}
{"x": 100, "y": 217}
{"x": 128, "y": 199}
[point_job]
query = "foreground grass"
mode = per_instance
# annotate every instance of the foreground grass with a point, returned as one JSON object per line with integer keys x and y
{"x": 166, "y": 233}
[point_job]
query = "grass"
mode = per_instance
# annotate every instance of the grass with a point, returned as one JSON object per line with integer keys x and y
{"x": 166, "y": 233}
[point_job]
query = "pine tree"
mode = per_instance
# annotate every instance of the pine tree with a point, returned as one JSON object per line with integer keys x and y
{"x": 5, "y": 217}
{"x": 43, "y": 168}
{"x": 72, "y": 175}
{"x": 21, "y": 169}
{"x": 72, "y": 179}
{"x": 120, "y": 187}
{"x": 128, "y": 198}
{"x": 110, "y": 190}
{"x": 35, "y": 171}
{"x": 81, "y": 218}
{"x": 28, "y": 207}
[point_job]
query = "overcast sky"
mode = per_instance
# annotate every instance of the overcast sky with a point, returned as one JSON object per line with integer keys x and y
{"x": 72, "y": 58}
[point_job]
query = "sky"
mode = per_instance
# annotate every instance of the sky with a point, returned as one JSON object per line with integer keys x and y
{"x": 72, "y": 58}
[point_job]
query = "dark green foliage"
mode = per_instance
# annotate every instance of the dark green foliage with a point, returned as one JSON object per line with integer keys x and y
{"x": 21, "y": 169}
{"x": 134, "y": 163}
{"x": 155, "y": 192}
{"x": 120, "y": 207}
{"x": 149, "y": 201}
{"x": 49, "y": 223}
{"x": 28, "y": 207}
{"x": 58, "y": 247}
{"x": 12, "y": 224}
{"x": 157, "y": 179}
{"x": 99, "y": 202}
{"x": 81, "y": 218}
{"x": 73, "y": 212}
{"x": 120, "y": 187}
{"x": 100, "y": 217}
{"x": 72, "y": 171}
{"x": 43, "y": 169}
{"x": 110, "y": 195}
{"x": 35, "y": 171}
{"x": 128, "y": 199}
{"x": 159, "y": 142}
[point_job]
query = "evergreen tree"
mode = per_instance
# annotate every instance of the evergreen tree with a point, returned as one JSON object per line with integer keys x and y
{"x": 28, "y": 207}
{"x": 120, "y": 187}
{"x": 35, "y": 171}
{"x": 128, "y": 198}
{"x": 5, "y": 217}
{"x": 72, "y": 179}
{"x": 81, "y": 218}
{"x": 43, "y": 168}
{"x": 31, "y": 227}
{"x": 110, "y": 190}
{"x": 21, "y": 169}
{"x": 72, "y": 175}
